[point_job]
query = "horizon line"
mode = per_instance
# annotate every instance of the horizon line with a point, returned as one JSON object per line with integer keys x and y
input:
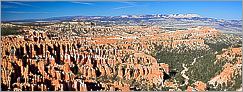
{"x": 109, "y": 16}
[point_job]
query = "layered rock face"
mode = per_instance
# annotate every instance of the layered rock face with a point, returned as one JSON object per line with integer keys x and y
{"x": 231, "y": 69}
{"x": 40, "y": 63}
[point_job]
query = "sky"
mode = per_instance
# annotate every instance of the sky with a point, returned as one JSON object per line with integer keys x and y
{"x": 37, "y": 10}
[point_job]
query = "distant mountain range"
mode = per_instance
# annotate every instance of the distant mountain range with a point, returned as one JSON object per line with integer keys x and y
{"x": 172, "y": 20}
{"x": 69, "y": 18}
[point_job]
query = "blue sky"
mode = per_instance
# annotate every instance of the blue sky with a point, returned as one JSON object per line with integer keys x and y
{"x": 33, "y": 10}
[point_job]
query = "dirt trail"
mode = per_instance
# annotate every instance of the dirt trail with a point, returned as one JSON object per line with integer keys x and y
{"x": 183, "y": 74}
{"x": 195, "y": 59}
{"x": 186, "y": 69}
